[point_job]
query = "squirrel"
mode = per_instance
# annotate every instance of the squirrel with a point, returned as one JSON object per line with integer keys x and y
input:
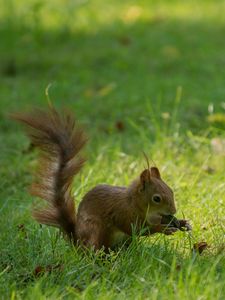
{"x": 107, "y": 214}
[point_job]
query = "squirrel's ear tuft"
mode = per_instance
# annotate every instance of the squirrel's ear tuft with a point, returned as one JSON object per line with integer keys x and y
{"x": 145, "y": 177}
{"x": 155, "y": 172}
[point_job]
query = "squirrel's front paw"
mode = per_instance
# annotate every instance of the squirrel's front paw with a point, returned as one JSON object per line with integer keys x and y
{"x": 162, "y": 228}
{"x": 184, "y": 225}
{"x": 170, "y": 230}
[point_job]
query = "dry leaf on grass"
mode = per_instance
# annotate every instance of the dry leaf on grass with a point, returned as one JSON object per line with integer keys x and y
{"x": 200, "y": 247}
{"x": 40, "y": 270}
{"x": 120, "y": 126}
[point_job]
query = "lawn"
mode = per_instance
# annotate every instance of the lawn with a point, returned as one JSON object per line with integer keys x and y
{"x": 140, "y": 76}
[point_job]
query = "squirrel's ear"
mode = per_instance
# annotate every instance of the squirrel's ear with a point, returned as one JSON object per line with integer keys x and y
{"x": 145, "y": 177}
{"x": 155, "y": 172}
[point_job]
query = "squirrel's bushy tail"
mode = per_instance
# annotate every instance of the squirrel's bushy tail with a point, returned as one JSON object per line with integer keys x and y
{"x": 59, "y": 141}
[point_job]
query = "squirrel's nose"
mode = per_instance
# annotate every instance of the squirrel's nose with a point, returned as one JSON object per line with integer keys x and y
{"x": 173, "y": 210}
{"x": 170, "y": 210}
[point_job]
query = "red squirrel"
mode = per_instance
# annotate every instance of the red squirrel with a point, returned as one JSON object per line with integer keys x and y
{"x": 107, "y": 214}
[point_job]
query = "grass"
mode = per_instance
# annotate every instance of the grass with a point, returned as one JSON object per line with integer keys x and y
{"x": 139, "y": 75}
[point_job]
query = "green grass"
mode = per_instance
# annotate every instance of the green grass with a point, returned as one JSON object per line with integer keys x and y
{"x": 140, "y": 76}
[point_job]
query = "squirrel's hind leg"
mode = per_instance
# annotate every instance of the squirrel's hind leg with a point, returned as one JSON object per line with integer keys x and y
{"x": 92, "y": 235}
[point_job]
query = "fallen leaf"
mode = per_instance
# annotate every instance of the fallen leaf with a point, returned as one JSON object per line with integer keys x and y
{"x": 120, "y": 126}
{"x": 38, "y": 271}
{"x": 200, "y": 247}
{"x": 125, "y": 40}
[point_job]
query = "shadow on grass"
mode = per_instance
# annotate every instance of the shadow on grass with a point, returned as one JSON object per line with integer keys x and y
{"x": 143, "y": 264}
{"x": 117, "y": 70}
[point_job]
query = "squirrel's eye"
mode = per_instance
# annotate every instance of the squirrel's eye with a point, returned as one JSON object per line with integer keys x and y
{"x": 156, "y": 198}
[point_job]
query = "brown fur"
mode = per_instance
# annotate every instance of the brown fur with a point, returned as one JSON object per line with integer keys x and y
{"x": 106, "y": 212}
{"x": 60, "y": 143}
